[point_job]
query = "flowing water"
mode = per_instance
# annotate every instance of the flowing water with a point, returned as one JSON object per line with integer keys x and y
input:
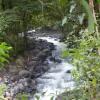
{"x": 57, "y": 78}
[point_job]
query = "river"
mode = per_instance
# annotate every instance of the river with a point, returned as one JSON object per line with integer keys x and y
{"x": 58, "y": 78}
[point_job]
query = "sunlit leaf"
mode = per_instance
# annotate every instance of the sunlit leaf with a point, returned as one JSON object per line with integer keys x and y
{"x": 64, "y": 21}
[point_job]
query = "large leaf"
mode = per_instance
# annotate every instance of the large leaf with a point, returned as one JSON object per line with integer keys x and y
{"x": 4, "y": 53}
{"x": 64, "y": 21}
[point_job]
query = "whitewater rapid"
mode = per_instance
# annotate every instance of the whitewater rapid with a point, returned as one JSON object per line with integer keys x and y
{"x": 58, "y": 78}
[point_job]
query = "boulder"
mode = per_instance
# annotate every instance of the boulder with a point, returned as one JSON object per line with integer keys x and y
{"x": 68, "y": 71}
{"x": 58, "y": 60}
{"x": 55, "y": 59}
{"x": 14, "y": 78}
{"x": 24, "y": 74}
{"x": 20, "y": 61}
{"x": 13, "y": 69}
{"x": 45, "y": 68}
{"x": 52, "y": 47}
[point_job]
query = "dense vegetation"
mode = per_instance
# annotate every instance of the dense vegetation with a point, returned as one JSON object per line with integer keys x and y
{"x": 79, "y": 21}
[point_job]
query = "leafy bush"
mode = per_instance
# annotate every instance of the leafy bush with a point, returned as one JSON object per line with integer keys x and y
{"x": 2, "y": 89}
{"x": 86, "y": 61}
{"x": 4, "y": 53}
{"x": 22, "y": 97}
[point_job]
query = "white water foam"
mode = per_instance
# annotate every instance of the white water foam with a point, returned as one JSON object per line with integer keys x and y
{"x": 56, "y": 80}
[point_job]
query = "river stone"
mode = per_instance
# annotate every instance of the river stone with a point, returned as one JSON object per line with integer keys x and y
{"x": 35, "y": 75}
{"x": 21, "y": 87}
{"x": 14, "y": 78}
{"x": 55, "y": 59}
{"x": 58, "y": 60}
{"x": 20, "y": 61}
{"x": 42, "y": 56}
{"x": 32, "y": 64}
{"x": 52, "y": 47}
{"x": 45, "y": 63}
{"x": 24, "y": 73}
{"x": 45, "y": 68}
{"x": 68, "y": 71}
{"x": 7, "y": 94}
{"x": 13, "y": 69}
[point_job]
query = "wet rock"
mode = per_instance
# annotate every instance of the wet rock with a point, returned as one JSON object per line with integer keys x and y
{"x": 45, "y": 63}
{"x": 58, "y": 60}
{"x": 35, "y": 75}
{"x": 52, "y": 47}
{"x": 20, "y": 61}
{"x": 68, "y": 71}
{"x": 55, "y": 59}
{"x": 31, "y": 44}
{"x": 6, "y": 81}
{"x": 38, "y": 69}
{"x": 24, "y": 73}
{"x": 42, "y": 56}
{"x": 32, "y": 63}
{"x": 24, "y": 85}
{"x": 14, "y": 78}
{"x": 21, "y": 86}
{"x": 45, "y": 68}
{"x": 15, "y": 90}
{"x": 52, "y": 59}
{"x": 36, "y": 51}
{"x": 13, "y": 69}
{"x": 7, "y": 94}
{"x": 35, "y": 59}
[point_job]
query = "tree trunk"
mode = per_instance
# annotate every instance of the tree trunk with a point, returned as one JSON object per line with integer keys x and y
{"x": 91, "y": 4}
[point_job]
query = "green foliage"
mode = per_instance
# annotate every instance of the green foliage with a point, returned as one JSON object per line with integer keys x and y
{"x": 86, "y": 61}
{"x": 64, "y": 21}
{"x": 37, "y": 97}
{"x": 98, "y": 1}
{"x": 75, "y": 94}
{"x": 91, "y": 22}
{"x": 4, "y": 53}
{"x": 3, "y": 87}
{"x": 64, "y": 53}
{"x": 55, "y": 10}
{"x": 15, "y": 17}
{"x": 85, "y": 55}
{"x": 73, "y": 21}
{"x": 22, "y": 97}
{"x": 8, "y": 22}
{"x": 52, "y": 98}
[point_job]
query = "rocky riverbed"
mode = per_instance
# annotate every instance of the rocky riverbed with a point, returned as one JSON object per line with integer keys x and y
{"x": 21, "y": 74}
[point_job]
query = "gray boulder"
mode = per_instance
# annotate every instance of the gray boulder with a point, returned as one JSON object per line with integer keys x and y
{"x": 24, "y": 74}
